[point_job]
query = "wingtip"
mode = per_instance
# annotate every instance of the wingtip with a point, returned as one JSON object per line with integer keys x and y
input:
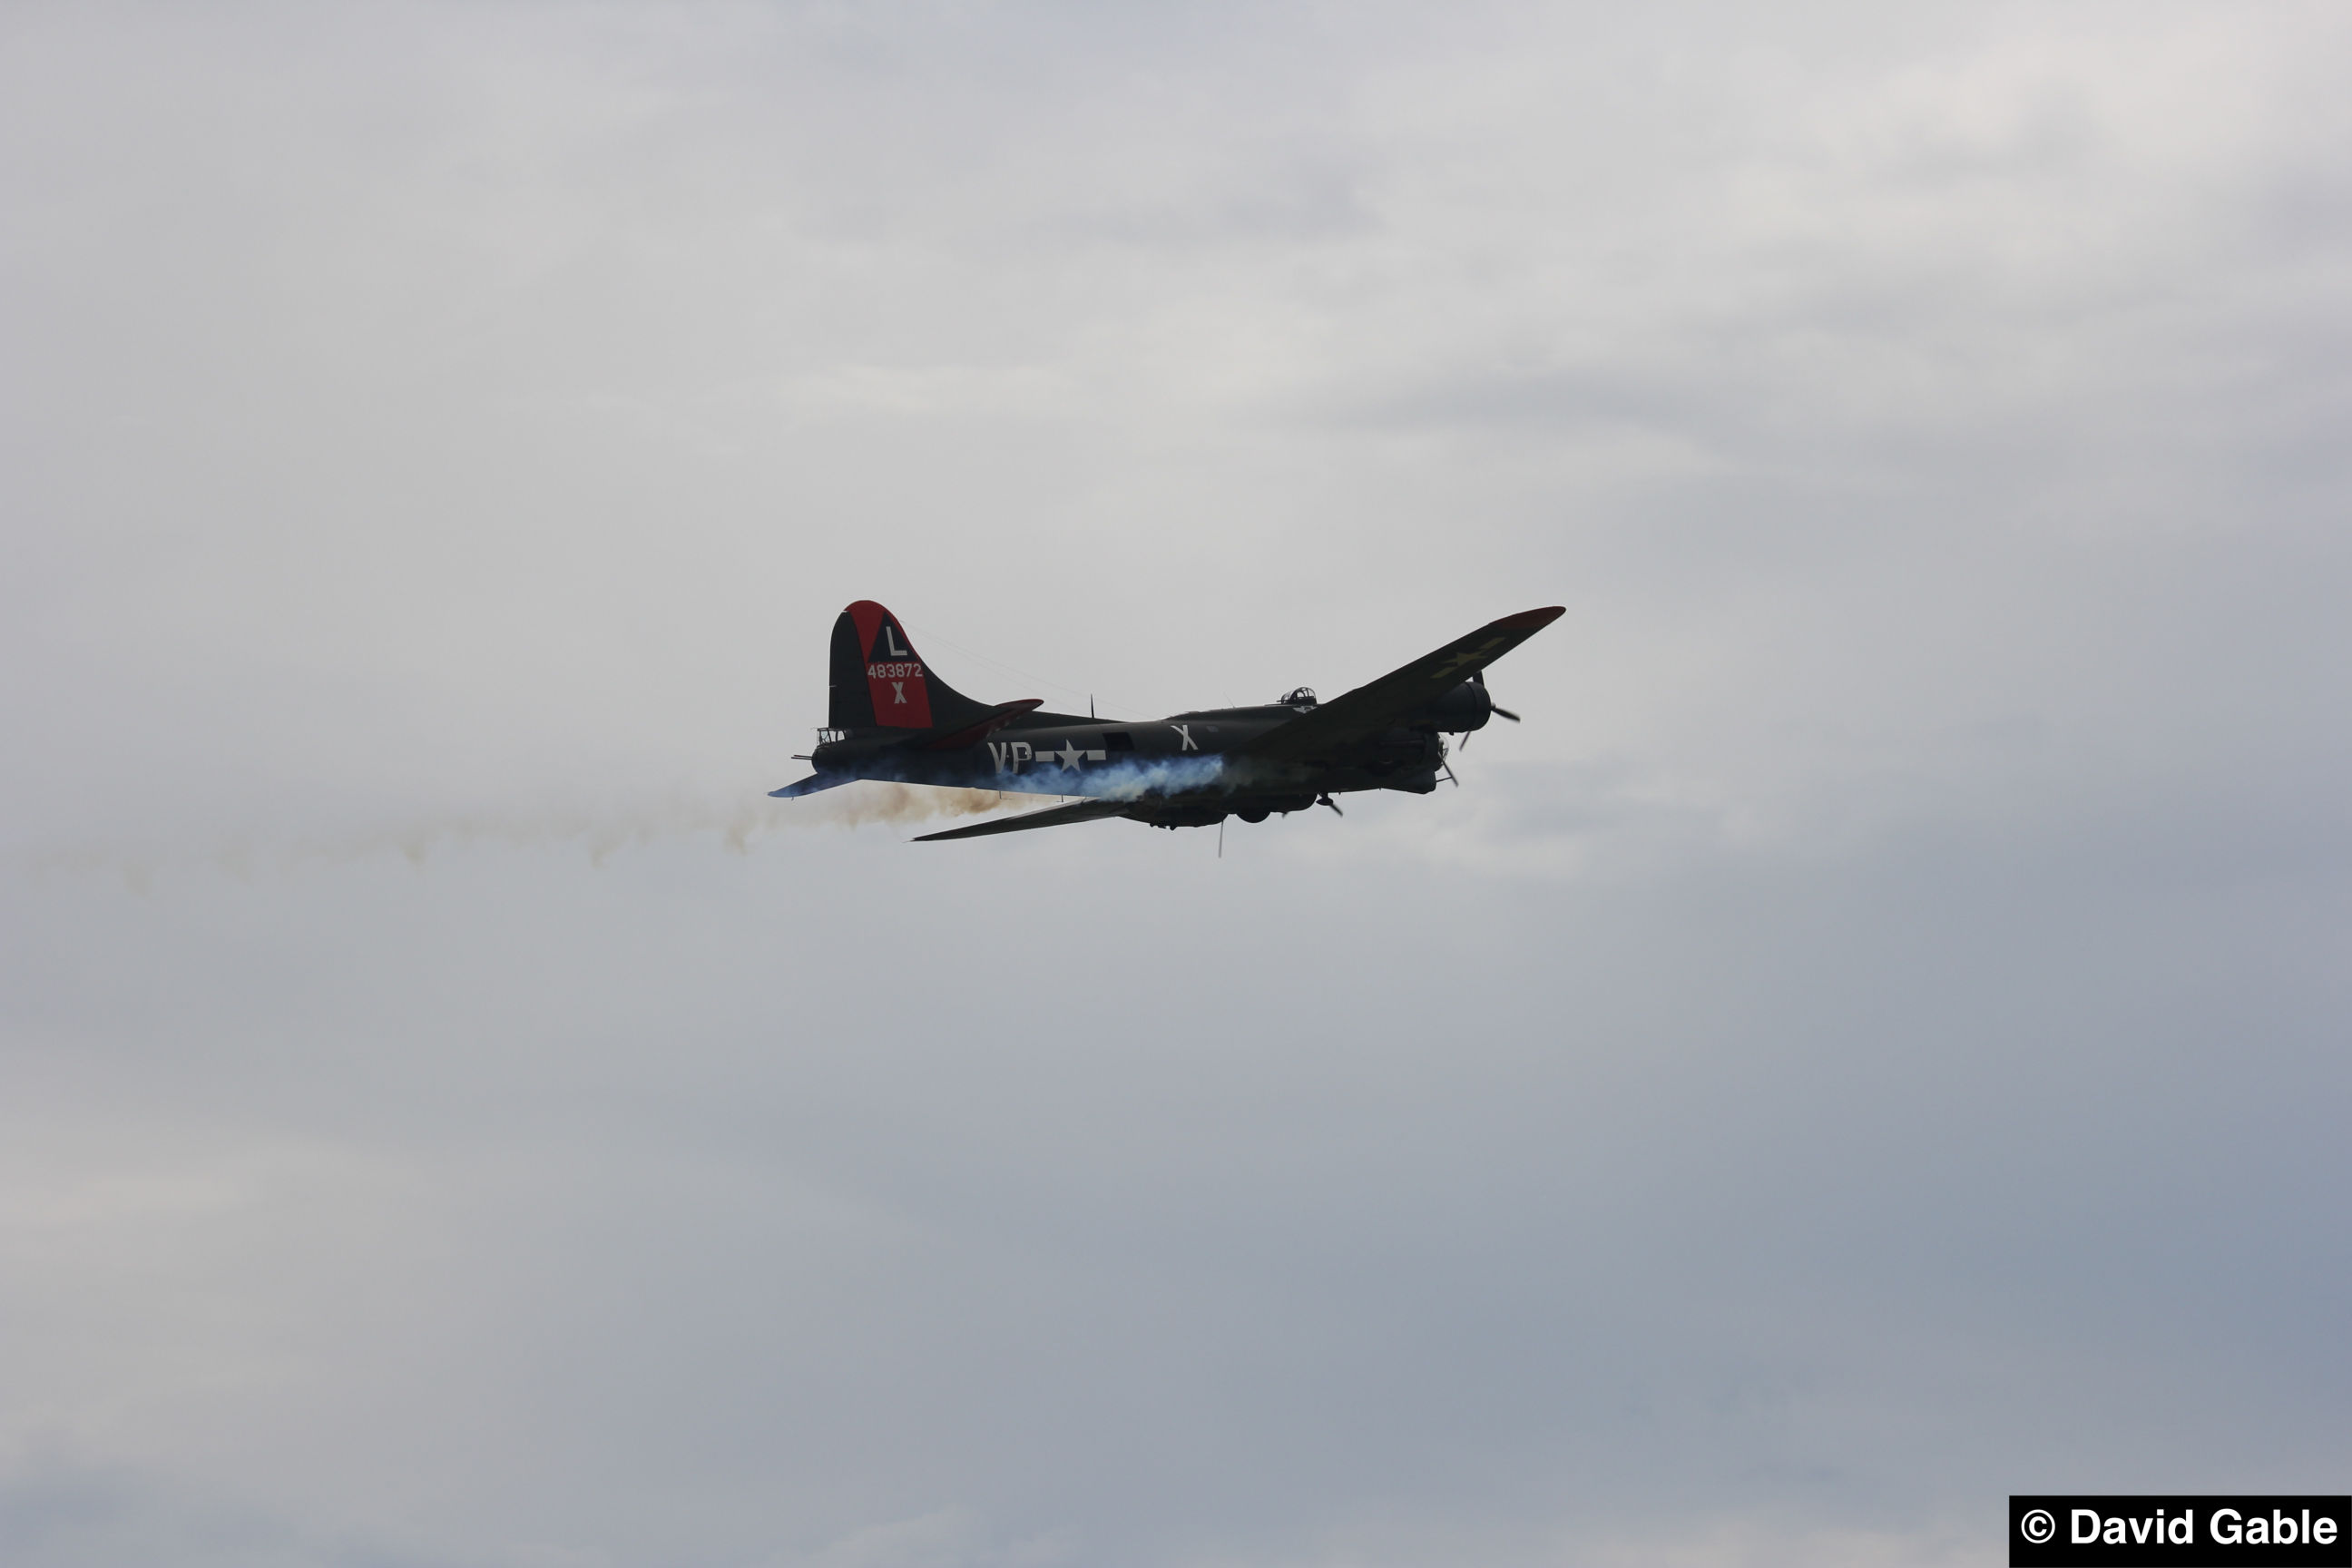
{"x": 976, "y": 830}
{"x": 1528, "y": 620}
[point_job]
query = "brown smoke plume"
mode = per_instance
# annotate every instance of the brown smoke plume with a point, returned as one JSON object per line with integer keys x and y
{"x": 737, "y": 821}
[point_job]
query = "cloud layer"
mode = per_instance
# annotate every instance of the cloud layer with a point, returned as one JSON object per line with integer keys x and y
{"x": 1868, "y": 1043}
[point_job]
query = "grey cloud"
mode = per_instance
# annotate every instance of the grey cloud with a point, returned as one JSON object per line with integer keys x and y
{"x": 1868, "y": 1041}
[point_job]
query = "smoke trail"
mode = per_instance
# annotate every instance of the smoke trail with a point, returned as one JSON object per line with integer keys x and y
{"x": 854, "y": 805}
{"x": 1142, "y": 777}
{"x": 738, "y": 820}
{"x": 1139, "y": 778}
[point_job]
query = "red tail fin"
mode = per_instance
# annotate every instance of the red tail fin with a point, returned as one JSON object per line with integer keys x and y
{"x": 880, "y": 682}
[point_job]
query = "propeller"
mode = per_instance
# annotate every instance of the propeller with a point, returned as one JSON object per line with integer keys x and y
{"x": 1499, "y": 713}
{"x": 1327, "y": 800}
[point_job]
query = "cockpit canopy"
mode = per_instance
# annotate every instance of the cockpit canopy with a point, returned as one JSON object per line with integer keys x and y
{"x": 1300, "y": 697}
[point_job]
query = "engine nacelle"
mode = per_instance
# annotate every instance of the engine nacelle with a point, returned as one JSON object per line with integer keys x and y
{"x": 1464, "y": 708}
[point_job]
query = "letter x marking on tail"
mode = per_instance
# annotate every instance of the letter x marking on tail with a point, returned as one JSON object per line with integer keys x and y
{"x": 900, "y": 686}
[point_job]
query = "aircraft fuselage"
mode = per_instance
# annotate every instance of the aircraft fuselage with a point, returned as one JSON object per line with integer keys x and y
{"x": 890, "y": 718}
{"x": 1158, "y": 761}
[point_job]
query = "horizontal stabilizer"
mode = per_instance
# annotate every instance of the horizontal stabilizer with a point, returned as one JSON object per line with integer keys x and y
{"x": 811, "y": 784}
{"x": 1053, "y": 816}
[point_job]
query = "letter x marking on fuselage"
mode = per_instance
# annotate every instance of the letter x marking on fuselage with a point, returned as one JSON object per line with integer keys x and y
{"x": 1184, "y": 738}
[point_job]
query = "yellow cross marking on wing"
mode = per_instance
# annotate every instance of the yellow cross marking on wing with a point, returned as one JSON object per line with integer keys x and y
{"x": 1467, "y": 656}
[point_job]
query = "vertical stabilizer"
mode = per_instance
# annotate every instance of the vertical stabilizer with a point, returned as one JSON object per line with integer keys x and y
{"x": 879, "y": 681}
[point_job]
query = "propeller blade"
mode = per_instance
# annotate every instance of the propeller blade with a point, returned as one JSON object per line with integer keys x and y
{"x": 1334, "y": 805}
{"x": 1480, "y": 677}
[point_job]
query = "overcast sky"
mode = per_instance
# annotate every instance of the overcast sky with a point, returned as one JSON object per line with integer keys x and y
{"x": 1874, "y": 1039}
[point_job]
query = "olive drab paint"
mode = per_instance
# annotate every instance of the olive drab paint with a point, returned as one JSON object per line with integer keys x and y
{"x": 890, "y": 717}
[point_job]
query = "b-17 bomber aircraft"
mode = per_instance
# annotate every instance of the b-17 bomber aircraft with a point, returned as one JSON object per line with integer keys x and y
{"x": 892, "y": 718}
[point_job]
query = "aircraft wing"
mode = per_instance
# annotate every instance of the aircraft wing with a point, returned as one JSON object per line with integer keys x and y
{"x": 811, "y": 784}
{"x": 1359, "y": 715}
{"x": 1053, "y": 816}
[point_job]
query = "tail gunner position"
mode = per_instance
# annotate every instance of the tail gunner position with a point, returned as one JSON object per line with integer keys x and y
{"x": 892, "y": 718}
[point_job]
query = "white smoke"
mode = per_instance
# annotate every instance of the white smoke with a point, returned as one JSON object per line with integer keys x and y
{"x": 1137, "y": 778}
